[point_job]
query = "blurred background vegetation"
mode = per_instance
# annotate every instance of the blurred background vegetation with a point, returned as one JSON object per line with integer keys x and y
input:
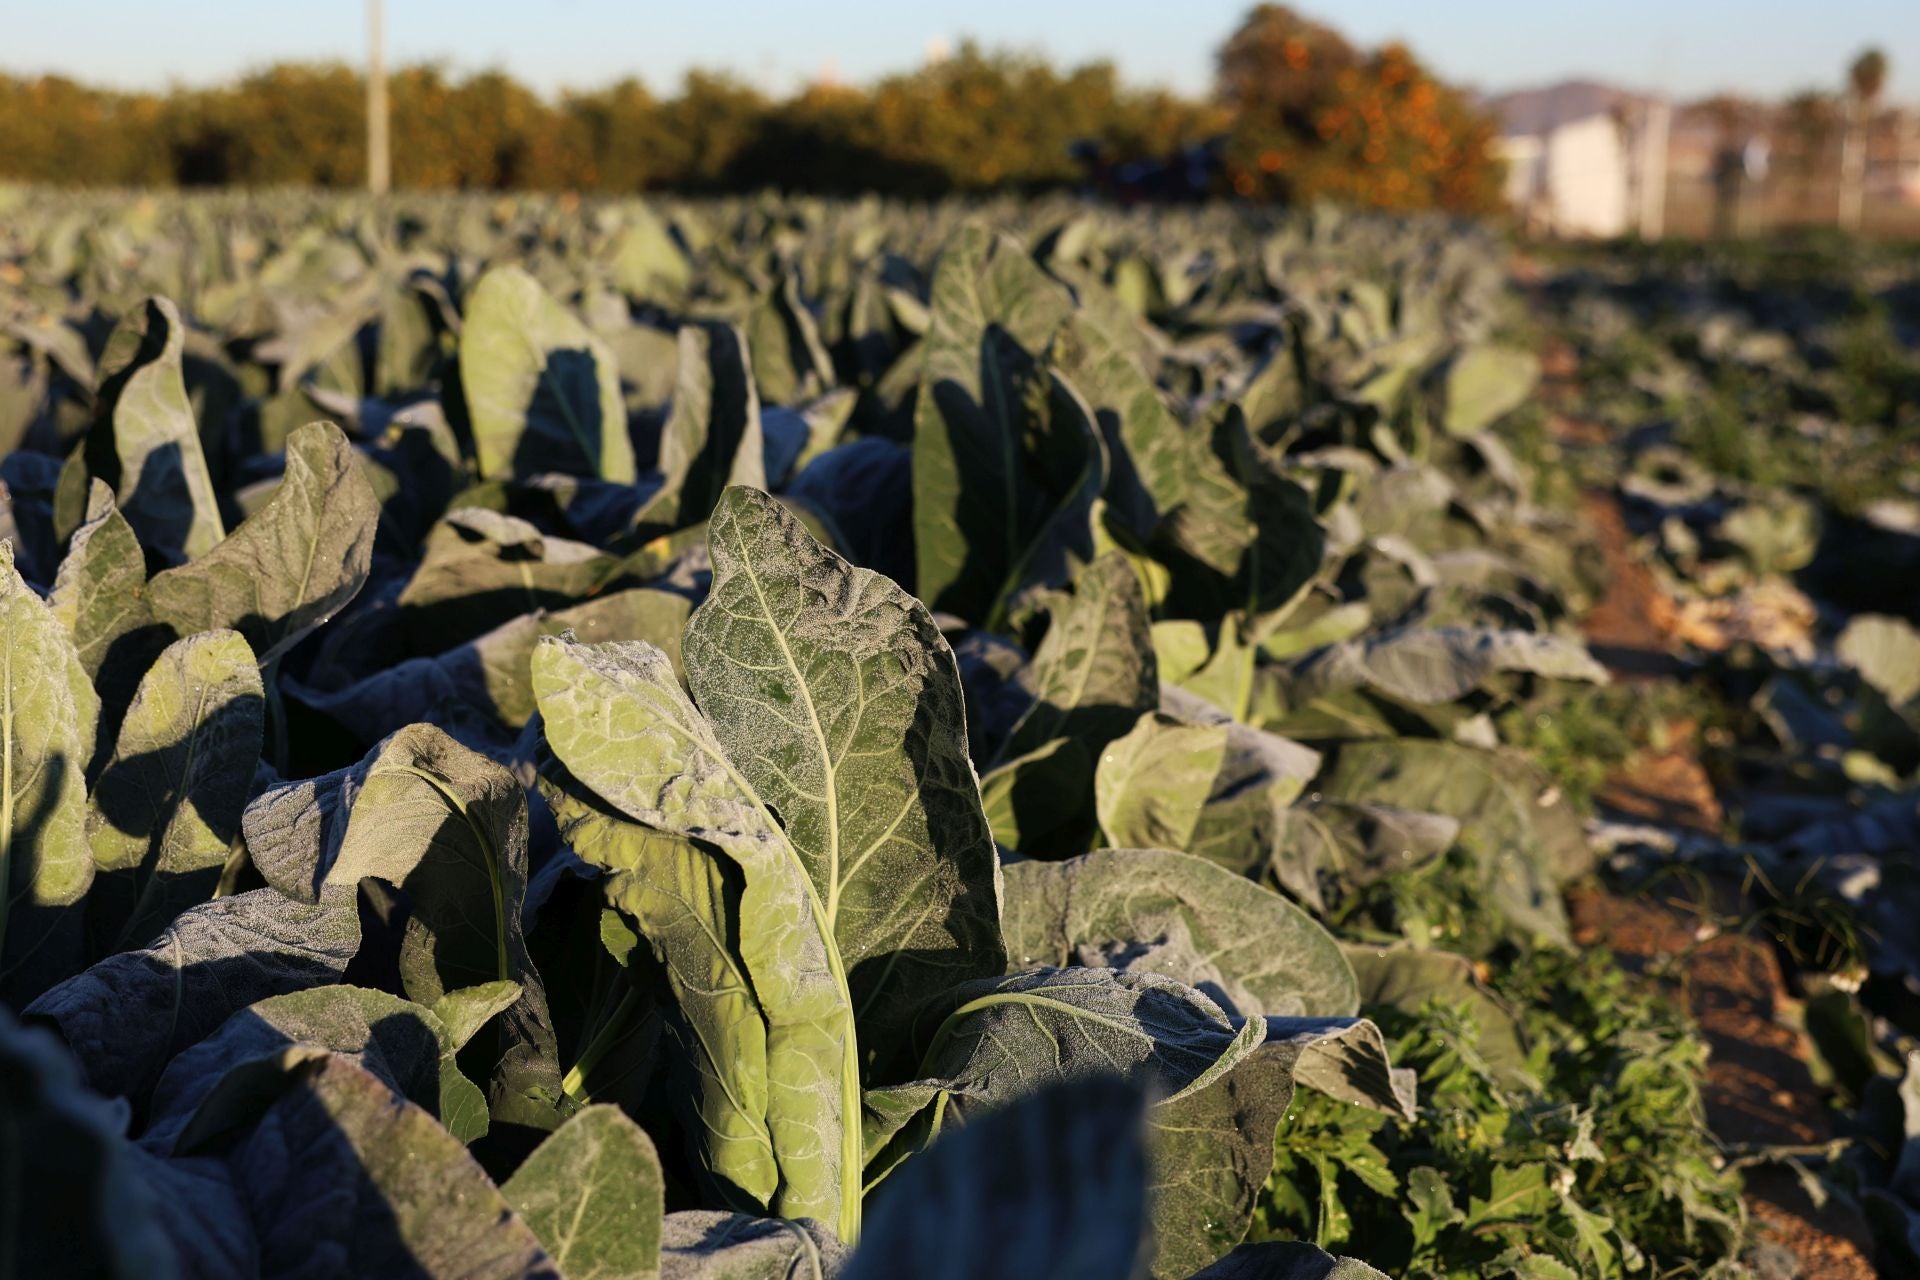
{"x": 1298, "y": 114}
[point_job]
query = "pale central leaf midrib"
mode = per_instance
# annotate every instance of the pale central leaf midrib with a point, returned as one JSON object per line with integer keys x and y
{"x": 827, "y": 767}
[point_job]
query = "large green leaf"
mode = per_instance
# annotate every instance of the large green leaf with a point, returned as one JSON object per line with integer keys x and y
{"x": 994, "y": 454}
{"x": 447, "y": 827}
{"x": 1250, "y": 949}
{"x": 1246, "y": 537}
{"x": 646, "y": 263}
{"x": 1221, "y": 1090}
{"x": 100, "y": 594}
{"x": 1484, "y": 383}
{"x": 1008, "y": 1036}
{"x": 167, "y": 807}
{"x": 619, "y": 722}
{"x": 685, "y": 900}
{"x": 1218, "y": 789}
{"x": 47, "y": 714}
{"x": 594, "y": 1195}
{"x": 343, "y": 1176}
{"x": 1149, "y": 449}
{"x": 789, "y": 362}
{"x": 226, "y": 1081}
{"x": 127, "y": 1016}
{"x": 1886, "y": 653}
{"x": 1524, "y": 835}
{"x": 1212, "y": 1148}
{"x": 835, "y": 696}
{"x": 1095, "y": 671}
{"x": 542, "y": 391}
{"x": 712, "y": 434}
{"x": 1093, "y": 675}
{"x": 296, "y": 561}
{"x": 144, "y": 443}
{"x": 481, "y": 569}
{"x": 482, "y": 691}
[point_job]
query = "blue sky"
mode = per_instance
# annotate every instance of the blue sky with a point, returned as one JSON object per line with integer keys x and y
{"x": 1687, "y": 47}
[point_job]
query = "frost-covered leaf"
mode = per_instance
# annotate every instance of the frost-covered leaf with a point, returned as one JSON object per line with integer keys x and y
{"x": 699, "y": 1244}
{"x": 226, "y": 1081}
{"x": 47, "y": 713}
{"x": 344, "y": 1177}
{"x": 1094, "y": 672}
{"x": 593, "y": 1193}
{"x": 1009, "y": 1036}
{"x": 1886, "y": 653}
{"x": 295, "y": 562}
{"x": 100, "y": 594}
{"x": 1250, "y": 949}
{"x": 127, "y": 1016}
{"x": 1149, "y": 469}
{"x": 621, "y": 725}
{"x": 685, "y": 900}
{"x": 144, "y": 443}
{"x": 167, "y": 807}
{"x": 835, "y": 696}
{"x": 1433, "y": 665}
{"x": 998, "y": 448}
{"x": 1246, "y": 537}
{"x": 1219, "y": 790}
{"x": 447, "y": 827}
{"x": 1483, "y": 384}
{"x": 712, "y": 434}
{"x": 542, "y": 391}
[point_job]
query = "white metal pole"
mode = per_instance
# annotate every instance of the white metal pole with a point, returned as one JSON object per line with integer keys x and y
{"x": 1853, "y": 164}
{"x": 379, "y": 167}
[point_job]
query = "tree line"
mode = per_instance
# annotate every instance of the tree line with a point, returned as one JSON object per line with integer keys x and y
{"x": 1298, "y": 114}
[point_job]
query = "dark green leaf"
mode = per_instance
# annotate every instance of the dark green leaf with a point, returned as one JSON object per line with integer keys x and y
{"x": 294, "y": 564}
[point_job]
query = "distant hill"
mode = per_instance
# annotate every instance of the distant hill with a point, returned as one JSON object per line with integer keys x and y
{"x": 1533, "y": 111}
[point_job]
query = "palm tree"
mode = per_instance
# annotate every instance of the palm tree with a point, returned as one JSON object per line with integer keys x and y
{"x": 1865, "y": 79}
{"x": 1808, "y": 121}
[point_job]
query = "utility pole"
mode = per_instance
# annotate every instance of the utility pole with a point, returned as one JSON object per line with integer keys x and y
{"x": 379, "y": 168}
{"x": 1853, "y": 164}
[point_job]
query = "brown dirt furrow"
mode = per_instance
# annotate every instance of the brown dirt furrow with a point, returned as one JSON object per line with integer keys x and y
{"x": 1759, "y": 1090}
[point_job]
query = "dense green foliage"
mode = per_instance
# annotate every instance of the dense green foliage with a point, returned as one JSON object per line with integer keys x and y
{"x": 708, "y": 737}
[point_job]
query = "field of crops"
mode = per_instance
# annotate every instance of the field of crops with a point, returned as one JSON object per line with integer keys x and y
{"x": 788, "y": 738}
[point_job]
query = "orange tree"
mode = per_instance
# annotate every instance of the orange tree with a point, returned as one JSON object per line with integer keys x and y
{"x": 1314, "y": 118}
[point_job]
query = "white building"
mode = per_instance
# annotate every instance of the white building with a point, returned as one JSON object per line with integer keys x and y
{"x": 1584, "y": 160}
{"x": 1572, "y": 180}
